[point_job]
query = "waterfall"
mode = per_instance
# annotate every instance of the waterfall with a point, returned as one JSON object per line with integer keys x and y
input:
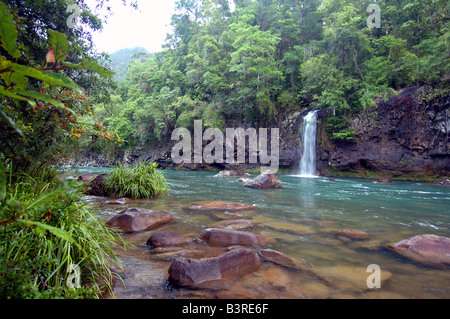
{"x": 308, "y": 161}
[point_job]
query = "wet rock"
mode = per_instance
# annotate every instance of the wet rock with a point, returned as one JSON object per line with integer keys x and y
{"x": 238, "y": 224}
{"x": 199, "y": 273}
{"x": 183, "y": 253}
{"x": 93, "y": 184}
{"x": 163, "y": 239}
{"x": 425, "y": 249}
{"x": 286, "y": 227}
{"x": 349, "y": 278}
{"x": 135, "y": 219}
{"x": 264, "y": 181}
{"x": 353, "y": 234}
{"x": 279, "y": 258}
{"x": 120, "y": 201}
{"x": 232, "y": 174}
{"x": 227, "y": 237}
{"x": 244, "y": 180}
{"x": 220, "y": 206}
{"x": 383, "y": 180}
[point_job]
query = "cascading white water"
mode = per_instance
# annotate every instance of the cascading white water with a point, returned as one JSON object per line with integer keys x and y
{"x": 308, "y": 161}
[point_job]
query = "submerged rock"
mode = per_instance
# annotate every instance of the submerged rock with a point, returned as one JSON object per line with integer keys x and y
{"x": 349, "y": 278}
{"x": 264, "y": 181}
{"x": 120, "y": 201}
{"x": 239, "y": 224}
{"x": 220, "y": 206}
{"x": 194, "y": 273}
{"x": 135, "y": 219}
{"x": 353, "y": 234}
{"x": 279, "y": 258}
{"x": 227, "y": 237}
{"x": 426, "y": 249}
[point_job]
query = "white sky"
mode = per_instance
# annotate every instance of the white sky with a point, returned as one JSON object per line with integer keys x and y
{"x": 128, "y": 28}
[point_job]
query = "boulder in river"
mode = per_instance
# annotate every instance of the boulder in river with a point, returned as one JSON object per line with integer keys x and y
{"x": 196, "y": 273}
{"x": 425, "y": 249}
{"x": 135, "y": 219}
{"x": 227, "y": 237}
{"x": 93, "y": 184}
{"x": 264, "y": 181}
{"x": 164, "y": 239}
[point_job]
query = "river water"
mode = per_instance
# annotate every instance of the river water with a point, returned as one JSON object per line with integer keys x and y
{"x": 303, "y": 218}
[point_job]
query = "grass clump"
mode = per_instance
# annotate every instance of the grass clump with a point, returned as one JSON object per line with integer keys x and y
{"x": 45, "y": 229}
{"x": 140, "y": 181}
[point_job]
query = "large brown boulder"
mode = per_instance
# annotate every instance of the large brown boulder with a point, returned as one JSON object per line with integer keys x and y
{"x": 228, "y": 237}
{"x": 264, "y": 181}
{"x": 93, "y": 184}
{"x": 163, "y": 239}
{"x": 199, "y": 273}
{"x": 426, "y": 249}
{"x": 135, "y": 219}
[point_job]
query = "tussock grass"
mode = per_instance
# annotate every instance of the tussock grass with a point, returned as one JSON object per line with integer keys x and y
{"x": 141, "y": 181}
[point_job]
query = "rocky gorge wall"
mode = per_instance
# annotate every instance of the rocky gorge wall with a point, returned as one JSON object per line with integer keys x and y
{"x": 406, "y": 137}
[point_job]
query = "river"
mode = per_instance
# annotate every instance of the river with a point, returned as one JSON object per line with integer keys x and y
{"x": 303, "y": 218}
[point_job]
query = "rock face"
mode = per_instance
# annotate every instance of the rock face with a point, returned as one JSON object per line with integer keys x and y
{"x": 135, "y": 219}
{"x": 264, "y": 181}
{"x": 232, "y": 174}
{"x": 407, "y": 135}
{"x": 164, "y": 239}
{"x": 426, "y": 249}
{"x": 193, "y": 273}
{"x": 227, "y": 237}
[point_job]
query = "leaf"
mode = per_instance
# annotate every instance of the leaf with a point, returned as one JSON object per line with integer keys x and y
{"x": 50, "y": 57}
{"x": 45, "y": 98}
{"x": 49, "y": 77}
{"x": 92, "y": 66}
{"x": 11, "y": 122}
{"x": 55, "y": 231}
{"x": 58, "y": 41}
{"x": 8, "y": 32}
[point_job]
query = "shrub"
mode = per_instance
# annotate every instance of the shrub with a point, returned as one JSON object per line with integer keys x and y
{"x": 141, "y": 181}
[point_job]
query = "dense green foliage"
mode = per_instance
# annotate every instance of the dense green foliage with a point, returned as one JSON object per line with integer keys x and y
{"x": 49, "y": 79}
{"x": 44, "y": 229}
{"x": 268, "y": 58}
{"x": 141, "y": 181}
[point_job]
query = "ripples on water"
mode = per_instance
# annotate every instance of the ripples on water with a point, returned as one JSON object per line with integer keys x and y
{"x": 388, "y": 212}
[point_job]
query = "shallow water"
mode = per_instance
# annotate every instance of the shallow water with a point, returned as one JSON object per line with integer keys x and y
{"x": 303, "y": 218}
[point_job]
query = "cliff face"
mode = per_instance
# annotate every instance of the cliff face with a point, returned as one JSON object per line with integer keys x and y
{"x": 405, "y": 137}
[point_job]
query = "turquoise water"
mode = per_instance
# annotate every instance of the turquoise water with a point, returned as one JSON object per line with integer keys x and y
{"x": 303, "y": 218}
